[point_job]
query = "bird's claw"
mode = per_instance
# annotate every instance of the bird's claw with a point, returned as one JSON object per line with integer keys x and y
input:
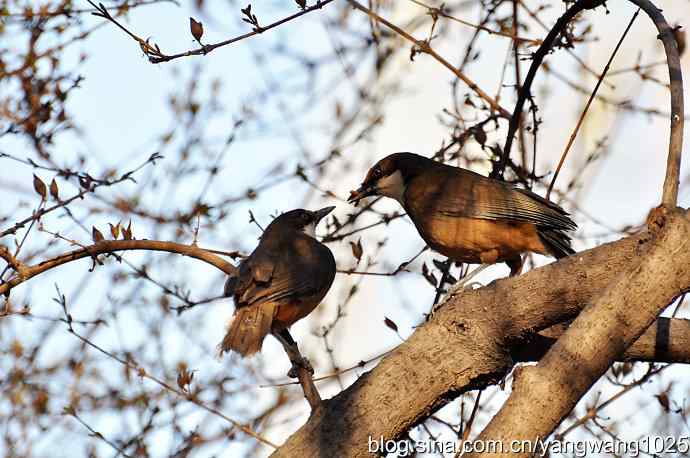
{"x": 301, "y": 362}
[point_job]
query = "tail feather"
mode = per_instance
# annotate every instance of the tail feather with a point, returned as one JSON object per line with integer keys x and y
{"x": 556, "y": 241}
{"x": 248, "y": 329}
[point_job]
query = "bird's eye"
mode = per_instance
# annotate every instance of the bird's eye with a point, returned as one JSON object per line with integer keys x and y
{"x": 377, "y": 173}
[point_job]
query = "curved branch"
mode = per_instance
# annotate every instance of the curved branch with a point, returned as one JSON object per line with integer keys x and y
{"x": 666, "y": 341}
{"x": 671, "y": 182}
{"x": 466, "y": 345}
{"x": 675, "y": 145}
{"x": 110, "y": 246}
{"x": 547, "y": 393}
{"x": 24, "y": 273}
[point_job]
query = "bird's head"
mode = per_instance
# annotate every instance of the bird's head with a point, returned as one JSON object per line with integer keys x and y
{"x": 300, "y": 220}
{"x": 389, "y": 176}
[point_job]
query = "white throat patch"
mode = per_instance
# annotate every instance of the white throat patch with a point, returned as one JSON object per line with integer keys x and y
{"x": 310, "y": 230}
{"x": 392, "y": 186}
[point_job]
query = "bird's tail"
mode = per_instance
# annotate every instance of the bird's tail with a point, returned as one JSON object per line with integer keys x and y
{"x": 556, "y": 241}
{"x": 248, "y": 329}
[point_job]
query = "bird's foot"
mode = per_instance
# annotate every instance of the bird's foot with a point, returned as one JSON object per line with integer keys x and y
{"x": 458, "y": 288}
{"x": 300, "y": 363}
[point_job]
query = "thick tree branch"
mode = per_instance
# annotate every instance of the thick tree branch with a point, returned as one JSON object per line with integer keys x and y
{"x": 550, "y": 390}
{"x": 598, "y": 336}
{"x": 466, "y": 345}
{"x": 666, "y": 341}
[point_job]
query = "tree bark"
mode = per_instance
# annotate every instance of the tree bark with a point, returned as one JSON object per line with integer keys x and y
{"x": 467, "y": 344}
{"x": 544, "y": 394}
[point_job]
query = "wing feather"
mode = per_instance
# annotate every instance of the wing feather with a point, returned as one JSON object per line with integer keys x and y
{"x": 461, "y": 193}
{"x": 293, "y": 272}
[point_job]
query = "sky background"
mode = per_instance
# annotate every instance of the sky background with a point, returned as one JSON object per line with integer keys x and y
{"x": 123, "y": 107}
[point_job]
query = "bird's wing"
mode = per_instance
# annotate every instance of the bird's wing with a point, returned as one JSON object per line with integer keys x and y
{"x": 293, "y": 273}
{"x": 461, "y": 193}
{"x": 256, "y": 269}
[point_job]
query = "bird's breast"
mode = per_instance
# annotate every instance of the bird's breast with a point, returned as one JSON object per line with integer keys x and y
{"x": 465, "y": 239}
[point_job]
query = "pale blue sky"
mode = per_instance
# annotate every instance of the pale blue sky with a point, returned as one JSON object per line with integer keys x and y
{"x": 122, "y": 105}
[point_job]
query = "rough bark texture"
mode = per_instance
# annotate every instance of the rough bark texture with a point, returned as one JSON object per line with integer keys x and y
{"x": 466, "y": 345}
{"x": 548, "y": 391}
{"x": 666, "y": 341}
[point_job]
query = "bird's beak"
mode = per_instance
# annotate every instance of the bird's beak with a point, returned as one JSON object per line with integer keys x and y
{"x": 361, "y": 193}
{"x": 319, "y": 214}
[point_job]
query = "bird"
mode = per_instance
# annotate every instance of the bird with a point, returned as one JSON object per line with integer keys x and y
{"x": 280, "y": 282}
{"x": 466, "y": 216}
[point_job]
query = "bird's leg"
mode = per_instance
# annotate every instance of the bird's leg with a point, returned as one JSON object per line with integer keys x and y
{"x": 464, "y": 283}
{"x": 515, "y": 265}
{"x": 446, "y": 278}
{"x": 298, "y": 361}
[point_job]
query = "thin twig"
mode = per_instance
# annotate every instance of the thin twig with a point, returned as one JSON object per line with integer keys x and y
{"x": 440, "y": 12}
{"x": 537, "y": 59}
{"x": 155, "y": 55}
{"x": 426, "y": 48}
{"x": 589, "y": 102}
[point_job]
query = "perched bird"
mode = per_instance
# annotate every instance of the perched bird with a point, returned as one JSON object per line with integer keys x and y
{"x": 466, "y": 216}
{"x": 281, "y": 282}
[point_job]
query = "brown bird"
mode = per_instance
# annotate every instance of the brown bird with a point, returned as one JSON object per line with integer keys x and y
{"x": 466, "y": 216}
{"x": 281, "y": 282}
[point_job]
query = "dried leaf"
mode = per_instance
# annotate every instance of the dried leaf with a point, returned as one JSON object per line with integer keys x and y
{"x": 430, "y": 277}
{"x": 85, "y": 182}
{"x": 357, "y": 250}
{"x": 663, "y": 400}
{"x": 115, "y": 230}
{"x": 480, "y": 136}
{"x": 681, "y": 39}
{"x": 184, "y": 378}
{"x": 301, "y": 3}
{"x": 390, "y": 324}
{"x": 96, "y": 235}
{"x": 127, "y": 233}
{"x": 196, "y": 28}
{"x": 40, "y": 402}
{"x": 54, "y": 190}
{"x": 40, "y": 187}
{"x": 16, "y": 348}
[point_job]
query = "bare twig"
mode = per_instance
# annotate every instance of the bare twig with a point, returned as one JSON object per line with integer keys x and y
{"x": 73, "y": 413}
{"x": 589, "y": 102}
{"x": 304, "y": 375}
{"x": 91, "y": 186}
{"x": 155, "y": 55}
{"x": 537, "y": 59}
{"x": 442, "y": 13}
{"x": 424, "y": 47}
